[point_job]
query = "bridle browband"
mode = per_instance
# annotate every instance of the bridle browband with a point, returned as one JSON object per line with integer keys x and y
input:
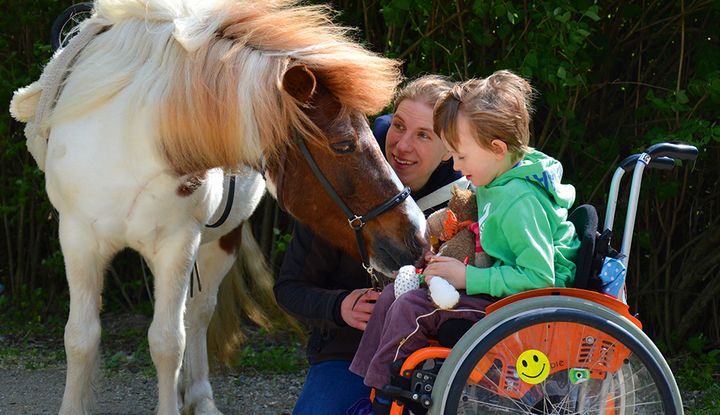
{"x": 355, "y": 221}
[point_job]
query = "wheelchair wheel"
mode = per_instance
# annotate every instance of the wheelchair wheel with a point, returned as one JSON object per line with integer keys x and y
{"x": 62, "y": 29}
{"x": 555, "y": 355}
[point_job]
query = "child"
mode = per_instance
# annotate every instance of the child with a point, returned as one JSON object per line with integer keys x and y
{"x": 522, "y": 210}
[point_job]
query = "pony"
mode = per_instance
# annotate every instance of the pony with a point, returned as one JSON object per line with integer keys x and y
{"x": 139, "y": 121}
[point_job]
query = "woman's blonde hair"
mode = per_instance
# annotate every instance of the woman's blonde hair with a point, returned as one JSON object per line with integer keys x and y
{"x": 427, "y": 89}
{"x": 497, "y": 107}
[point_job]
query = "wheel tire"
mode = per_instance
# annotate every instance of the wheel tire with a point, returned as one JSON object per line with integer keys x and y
{"x": 498, "y": 326}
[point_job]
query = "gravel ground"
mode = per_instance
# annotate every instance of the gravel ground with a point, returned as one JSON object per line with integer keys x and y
{"x": 32, "y": 373}
{"x": 39, "y": 391}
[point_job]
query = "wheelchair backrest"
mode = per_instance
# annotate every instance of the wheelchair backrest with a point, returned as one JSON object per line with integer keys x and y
{"x": 585, "y": 219}
{"x": 594, "y": 248}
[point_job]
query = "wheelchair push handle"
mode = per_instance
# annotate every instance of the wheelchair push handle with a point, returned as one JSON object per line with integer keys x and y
{"x": 676, "y": 151}
{"x": 659, "y": 156}
{"x": 660, "y": 163}
{"x": 662, "y": 156}
{"x": 656, "y": 151}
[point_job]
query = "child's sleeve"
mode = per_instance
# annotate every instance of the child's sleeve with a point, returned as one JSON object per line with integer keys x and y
{"x": 526, "y": 227}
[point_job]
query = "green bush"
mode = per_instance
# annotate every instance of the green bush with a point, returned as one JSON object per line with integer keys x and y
{"x": 612, "y": 78}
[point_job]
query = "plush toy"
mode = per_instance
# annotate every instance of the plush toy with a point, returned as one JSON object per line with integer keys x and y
{"x": 444, "y": 295}
{"x": 453, "y": 233}
{"x": 454, "y": 230}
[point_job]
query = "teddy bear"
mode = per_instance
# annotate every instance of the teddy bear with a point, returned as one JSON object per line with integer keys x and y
{"x": 453, "y": 233}
{"x": 453, "y": 230}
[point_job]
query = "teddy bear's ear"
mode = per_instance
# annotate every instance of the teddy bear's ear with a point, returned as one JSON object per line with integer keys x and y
{"x": 435, "y": 222}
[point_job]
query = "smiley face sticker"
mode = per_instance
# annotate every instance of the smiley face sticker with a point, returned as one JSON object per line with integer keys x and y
{"x": 533, "y": 366}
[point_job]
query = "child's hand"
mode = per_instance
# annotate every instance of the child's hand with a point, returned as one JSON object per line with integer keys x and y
{"x": 449, "y": 268}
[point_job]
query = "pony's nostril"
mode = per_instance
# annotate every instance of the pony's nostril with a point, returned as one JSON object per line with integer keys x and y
{"x": 421, "y": 263}
{"x": 421, "y": 243}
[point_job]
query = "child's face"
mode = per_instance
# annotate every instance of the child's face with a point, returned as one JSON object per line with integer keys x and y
{"x": 479, "y": 164}
{"x": 413, "y": 150}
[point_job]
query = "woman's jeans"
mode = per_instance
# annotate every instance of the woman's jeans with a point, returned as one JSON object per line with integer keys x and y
{"x": 330, "y": 389}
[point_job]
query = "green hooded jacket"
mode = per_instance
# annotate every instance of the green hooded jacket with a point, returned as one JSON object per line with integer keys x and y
{"x": 524, "y": 227}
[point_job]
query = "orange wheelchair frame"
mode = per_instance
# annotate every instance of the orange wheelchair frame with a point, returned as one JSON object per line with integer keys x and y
{"x": 599, "y": 350}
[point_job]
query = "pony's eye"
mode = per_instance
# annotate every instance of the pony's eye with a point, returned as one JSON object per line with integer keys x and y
{"x": 343, "y": 147}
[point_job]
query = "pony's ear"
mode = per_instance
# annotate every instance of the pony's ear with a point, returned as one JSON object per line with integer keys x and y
{"x": 300, "y": 83}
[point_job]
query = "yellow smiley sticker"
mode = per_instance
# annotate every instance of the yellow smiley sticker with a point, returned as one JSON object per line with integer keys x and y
{"x": 533, "y": 366}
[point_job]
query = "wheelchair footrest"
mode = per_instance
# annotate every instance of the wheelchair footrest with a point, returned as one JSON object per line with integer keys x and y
{"x": 407, "y": 397}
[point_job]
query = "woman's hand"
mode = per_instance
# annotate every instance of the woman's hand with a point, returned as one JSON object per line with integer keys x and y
{"x": 357, "y": 307}
{"x": 449, "y": 268}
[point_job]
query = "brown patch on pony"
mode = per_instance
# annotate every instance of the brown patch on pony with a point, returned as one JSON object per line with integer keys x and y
{"x": 300, "y": 83}
{"x": 361, "y": 79}
{"x": 323, "y": 109}
{"x": 231, "y": 241}
{"x": 226, "y": 105}
{"x": 191, "y": 184}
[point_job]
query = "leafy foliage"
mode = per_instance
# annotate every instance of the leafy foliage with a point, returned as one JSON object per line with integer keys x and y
{"x": 612, "y": 78}
{"x": 30, "y": 259}
{"x": 698, "y": 366}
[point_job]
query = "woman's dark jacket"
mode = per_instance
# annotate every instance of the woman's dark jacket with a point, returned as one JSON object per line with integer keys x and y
{"x": 315, "y": 277}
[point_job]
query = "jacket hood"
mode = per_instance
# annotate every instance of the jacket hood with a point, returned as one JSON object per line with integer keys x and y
{"x": 543, "y": 171}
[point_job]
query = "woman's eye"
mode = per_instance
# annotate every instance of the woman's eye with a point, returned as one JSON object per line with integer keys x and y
{"x": 424, "y": 135}
{"x": 398, "y": 126}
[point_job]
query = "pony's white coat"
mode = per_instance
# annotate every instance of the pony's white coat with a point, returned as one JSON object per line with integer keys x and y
{"x": 113, "y": 189}
{"x": 134, "y": 202}
{"x": 130, "y": 164}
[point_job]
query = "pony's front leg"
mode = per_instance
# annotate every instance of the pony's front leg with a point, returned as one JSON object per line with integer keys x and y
{"x": 214, "y": 261}
{"x": 171, "y": 263}
{"x": 85, "y": 260}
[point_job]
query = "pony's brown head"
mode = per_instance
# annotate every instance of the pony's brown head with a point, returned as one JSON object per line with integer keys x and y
{"x": 347, "y": 155}
{"x": 247, "y": 77}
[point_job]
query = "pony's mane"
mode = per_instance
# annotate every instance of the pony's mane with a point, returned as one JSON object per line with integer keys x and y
{"x": 213, "y": 72}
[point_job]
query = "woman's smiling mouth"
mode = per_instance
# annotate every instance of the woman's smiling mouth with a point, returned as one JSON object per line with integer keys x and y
{"x": 403, "y": 162}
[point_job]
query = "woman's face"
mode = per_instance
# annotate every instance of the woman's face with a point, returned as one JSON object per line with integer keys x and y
{"x": 412, "y": 148}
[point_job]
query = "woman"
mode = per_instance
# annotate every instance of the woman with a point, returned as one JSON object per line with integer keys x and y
{"x": 328, "y": 289}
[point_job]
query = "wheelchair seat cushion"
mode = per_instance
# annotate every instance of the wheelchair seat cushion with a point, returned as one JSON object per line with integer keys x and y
{"x": 450, "y": 332}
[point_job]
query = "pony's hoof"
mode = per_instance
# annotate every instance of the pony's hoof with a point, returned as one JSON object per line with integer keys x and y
{"x": 205, "y": 407}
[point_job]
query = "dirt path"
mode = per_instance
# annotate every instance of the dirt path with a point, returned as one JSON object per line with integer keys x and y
{"x": 24, "y": 391}
{"x": 32, "y": 373}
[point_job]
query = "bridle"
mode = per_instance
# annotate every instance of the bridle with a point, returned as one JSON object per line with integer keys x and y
{"x": 355, "y": 221}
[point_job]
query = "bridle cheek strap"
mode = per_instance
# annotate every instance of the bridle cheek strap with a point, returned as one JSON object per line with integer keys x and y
{"x": 355, "y": 221}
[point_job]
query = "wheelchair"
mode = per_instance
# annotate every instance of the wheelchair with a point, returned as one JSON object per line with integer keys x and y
{"x": 556, "y": 350}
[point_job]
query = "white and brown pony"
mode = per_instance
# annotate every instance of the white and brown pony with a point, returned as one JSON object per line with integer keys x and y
{"x": 163, "y": 99}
